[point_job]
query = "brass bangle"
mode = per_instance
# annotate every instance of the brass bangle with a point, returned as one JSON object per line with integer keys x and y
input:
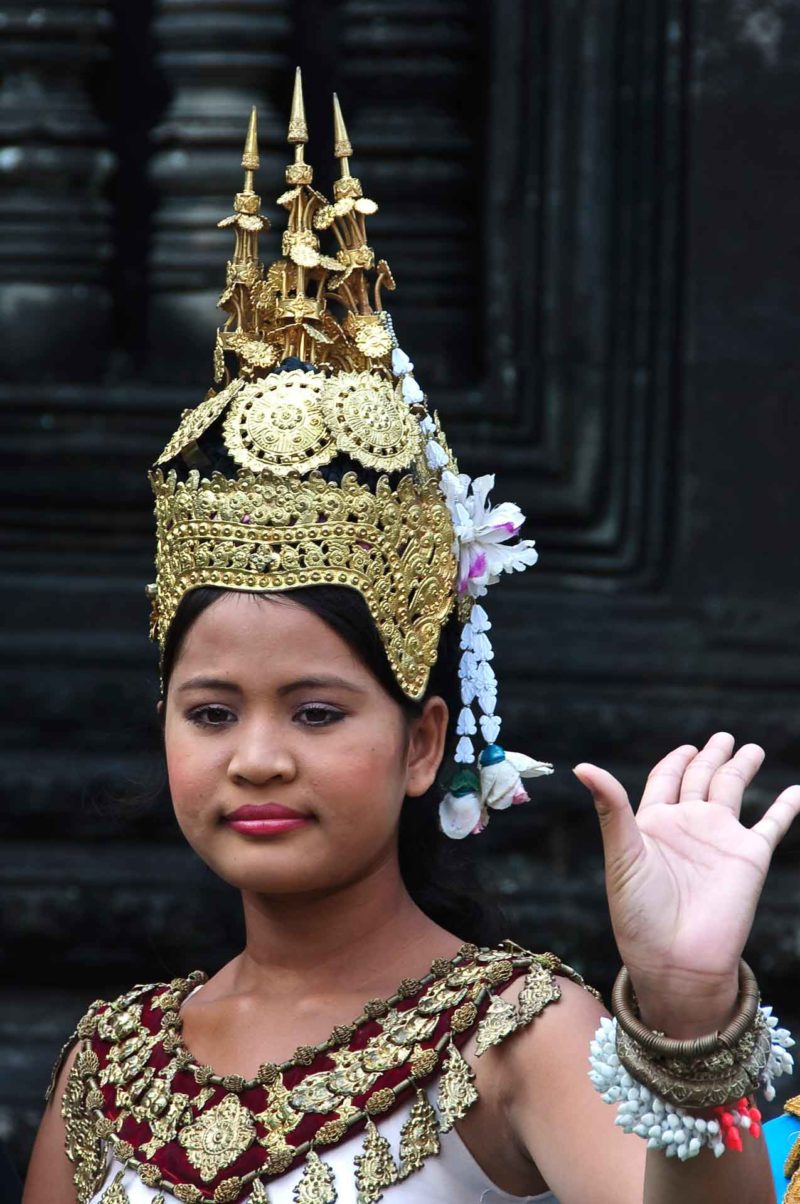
{"x": 688, "y": 1048}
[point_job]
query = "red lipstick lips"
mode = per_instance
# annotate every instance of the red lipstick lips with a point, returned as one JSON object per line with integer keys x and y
{"x": 265, "y": 819}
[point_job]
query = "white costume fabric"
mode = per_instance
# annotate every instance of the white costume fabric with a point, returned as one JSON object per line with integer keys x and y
{"x": 453, "y": 1177}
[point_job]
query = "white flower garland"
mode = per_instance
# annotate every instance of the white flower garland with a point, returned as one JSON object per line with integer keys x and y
{"x": 667, "y": 1127}
{"x": 481, "y": 535}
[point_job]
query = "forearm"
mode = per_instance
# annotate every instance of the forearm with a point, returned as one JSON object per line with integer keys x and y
{"x": 737, "y": 1175}
{"x": 727, "y": 1180}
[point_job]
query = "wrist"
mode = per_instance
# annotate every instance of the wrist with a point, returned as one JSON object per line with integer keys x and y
{"x": 683, "y": 1009}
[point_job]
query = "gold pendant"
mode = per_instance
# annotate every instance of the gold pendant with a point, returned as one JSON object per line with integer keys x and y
{"x": 115, "y": 1193}
{"x": 539, "y": 989}
{"x": 375, "y": 1167}
{"x": 317, "y": 1185}
{"x": 457, "y": 1091}
{"x": 499, "y": 1022}
{"x": 419, "y": 1137}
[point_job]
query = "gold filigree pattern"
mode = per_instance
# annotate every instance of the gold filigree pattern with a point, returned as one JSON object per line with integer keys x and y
{"x": 278, "y": 424}
{"x": 539, "y": 989}
{"x": 370, "y": 422}
{"x": 263, "y": 533}
{"x": 195, "y": 422}
{"x": 500, "y": 1021}
{"x": 457, "y": 1091}
{"x": 218, "y": 1137}
{"x": 115, "y": 1193}
{"x": 317, "y": 1185}
{"x": 419, "y": 1137}
{"x": 375, "y": 1168}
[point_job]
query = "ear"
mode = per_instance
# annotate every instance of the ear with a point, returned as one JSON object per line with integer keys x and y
{"x": 426, "y": 746}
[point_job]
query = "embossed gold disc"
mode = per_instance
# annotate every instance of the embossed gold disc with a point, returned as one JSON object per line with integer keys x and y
{"x": 278, "y": 424}
{"x": 370, "y": 422}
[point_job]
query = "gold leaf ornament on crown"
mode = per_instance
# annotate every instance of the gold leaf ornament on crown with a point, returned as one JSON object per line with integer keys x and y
{"x": 314, "y": 385}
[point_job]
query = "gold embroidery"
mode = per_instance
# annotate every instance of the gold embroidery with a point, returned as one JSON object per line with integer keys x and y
{"x": 419, "y": 1137}
{"x": 464, "y": 1017}
{"x": 218, "y": 1137}
{"x": 457, "y": 1092}
{"x": 374, "y": 1167}
{"x": 259, "y": 1193}
{"x": 317, "y": 1184}
{"x": 500, "y": 1021}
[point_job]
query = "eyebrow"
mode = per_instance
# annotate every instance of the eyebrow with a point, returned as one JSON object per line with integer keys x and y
{"x": 304, "y": 683}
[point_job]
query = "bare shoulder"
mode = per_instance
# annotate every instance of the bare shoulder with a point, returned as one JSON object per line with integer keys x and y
{"x": 49, "y": 1179}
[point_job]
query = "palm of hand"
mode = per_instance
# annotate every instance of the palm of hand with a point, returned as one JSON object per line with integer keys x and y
{"x": 683, "y": 875}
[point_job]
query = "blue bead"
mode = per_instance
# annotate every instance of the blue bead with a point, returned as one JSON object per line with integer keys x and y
{"x": 493, "y": 754}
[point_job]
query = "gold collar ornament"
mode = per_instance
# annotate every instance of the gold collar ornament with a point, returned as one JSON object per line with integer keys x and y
{"x": 136, "y": 1095}
{"x": 318, "y": 462}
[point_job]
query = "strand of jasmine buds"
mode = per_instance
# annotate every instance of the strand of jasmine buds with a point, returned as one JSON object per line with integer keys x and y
{"x": 477, "y": 677}
{"x": 478, "y": 682}
{"x": 672, "y": 1129}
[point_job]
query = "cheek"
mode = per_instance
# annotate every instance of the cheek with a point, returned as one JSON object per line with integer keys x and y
{"x": 194, "y": 767}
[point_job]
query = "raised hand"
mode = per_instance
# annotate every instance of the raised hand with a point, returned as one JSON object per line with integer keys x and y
{"x": 683, "y": 877}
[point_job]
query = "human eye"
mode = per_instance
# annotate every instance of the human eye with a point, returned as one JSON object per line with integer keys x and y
{"x": 318, "y": 714}
{"x": 210, "y": 716}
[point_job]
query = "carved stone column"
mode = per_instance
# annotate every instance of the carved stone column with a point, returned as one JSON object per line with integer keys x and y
{"x": 218, "y": 60}
{"x": 55, "y": 303}
{"x": 412, "y": 87}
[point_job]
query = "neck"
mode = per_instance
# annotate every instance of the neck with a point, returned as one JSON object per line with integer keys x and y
{"x": 355, "y": 936}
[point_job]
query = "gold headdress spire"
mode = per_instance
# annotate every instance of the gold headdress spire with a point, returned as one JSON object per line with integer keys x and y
{"x": 342, "y": 148}
{"x": 250, "y": 159}
{"x": 245, "y": 269}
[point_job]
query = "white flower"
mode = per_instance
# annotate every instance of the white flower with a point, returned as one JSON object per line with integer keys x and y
{"x": 481, "y": 532}
{"x": 501, "y": 776}
{"x": 490, "y": 727}
{"x": 465, "y": 752}
{"x": 460, "y": 815}
{"x": 411, "y": 391}
{"x": 401, "y": 364}
{"x": 466, "y": 723}
{"x": 435, "y": 455}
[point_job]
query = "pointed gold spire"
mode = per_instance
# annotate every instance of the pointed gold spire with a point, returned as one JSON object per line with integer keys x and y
{"x": 342, "y": 147}
{"x": 250, "y": 159}
{"x": 298, "y": 129}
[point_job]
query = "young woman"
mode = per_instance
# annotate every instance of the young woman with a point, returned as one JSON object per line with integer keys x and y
{"x": 319, "y": 560}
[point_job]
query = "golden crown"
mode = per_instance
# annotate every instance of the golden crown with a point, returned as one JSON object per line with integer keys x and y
{"x": 319, "y": 463}
{"x": 315, "y": 383}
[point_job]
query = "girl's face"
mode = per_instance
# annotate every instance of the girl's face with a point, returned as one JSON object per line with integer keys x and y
{"x": 267, "y": 704}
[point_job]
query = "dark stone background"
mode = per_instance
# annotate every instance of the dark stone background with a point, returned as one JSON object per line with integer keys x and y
{"x": 591, "y": 210}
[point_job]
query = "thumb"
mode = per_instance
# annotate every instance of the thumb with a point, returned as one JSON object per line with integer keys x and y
{"x": 622, "y": 840}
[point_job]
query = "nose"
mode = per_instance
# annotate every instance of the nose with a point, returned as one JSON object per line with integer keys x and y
{"x": 261, "y": 755}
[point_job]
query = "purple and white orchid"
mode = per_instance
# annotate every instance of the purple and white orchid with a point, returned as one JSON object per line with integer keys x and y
{"x": 482, "y": 531}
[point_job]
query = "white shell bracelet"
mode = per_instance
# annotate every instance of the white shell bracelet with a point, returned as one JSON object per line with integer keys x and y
{"x": 680, "y": 1134}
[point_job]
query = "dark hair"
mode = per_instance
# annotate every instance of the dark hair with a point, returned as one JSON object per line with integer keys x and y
{"x": 438, "y": 873}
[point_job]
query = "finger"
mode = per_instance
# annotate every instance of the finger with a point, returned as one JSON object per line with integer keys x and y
{"x": 732, "y": 779}
{"x": 664, "y": 779}
{"x": 697, "y": 779}
{"x": 622, "y": 840}
{"x": 774, "y": 825}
